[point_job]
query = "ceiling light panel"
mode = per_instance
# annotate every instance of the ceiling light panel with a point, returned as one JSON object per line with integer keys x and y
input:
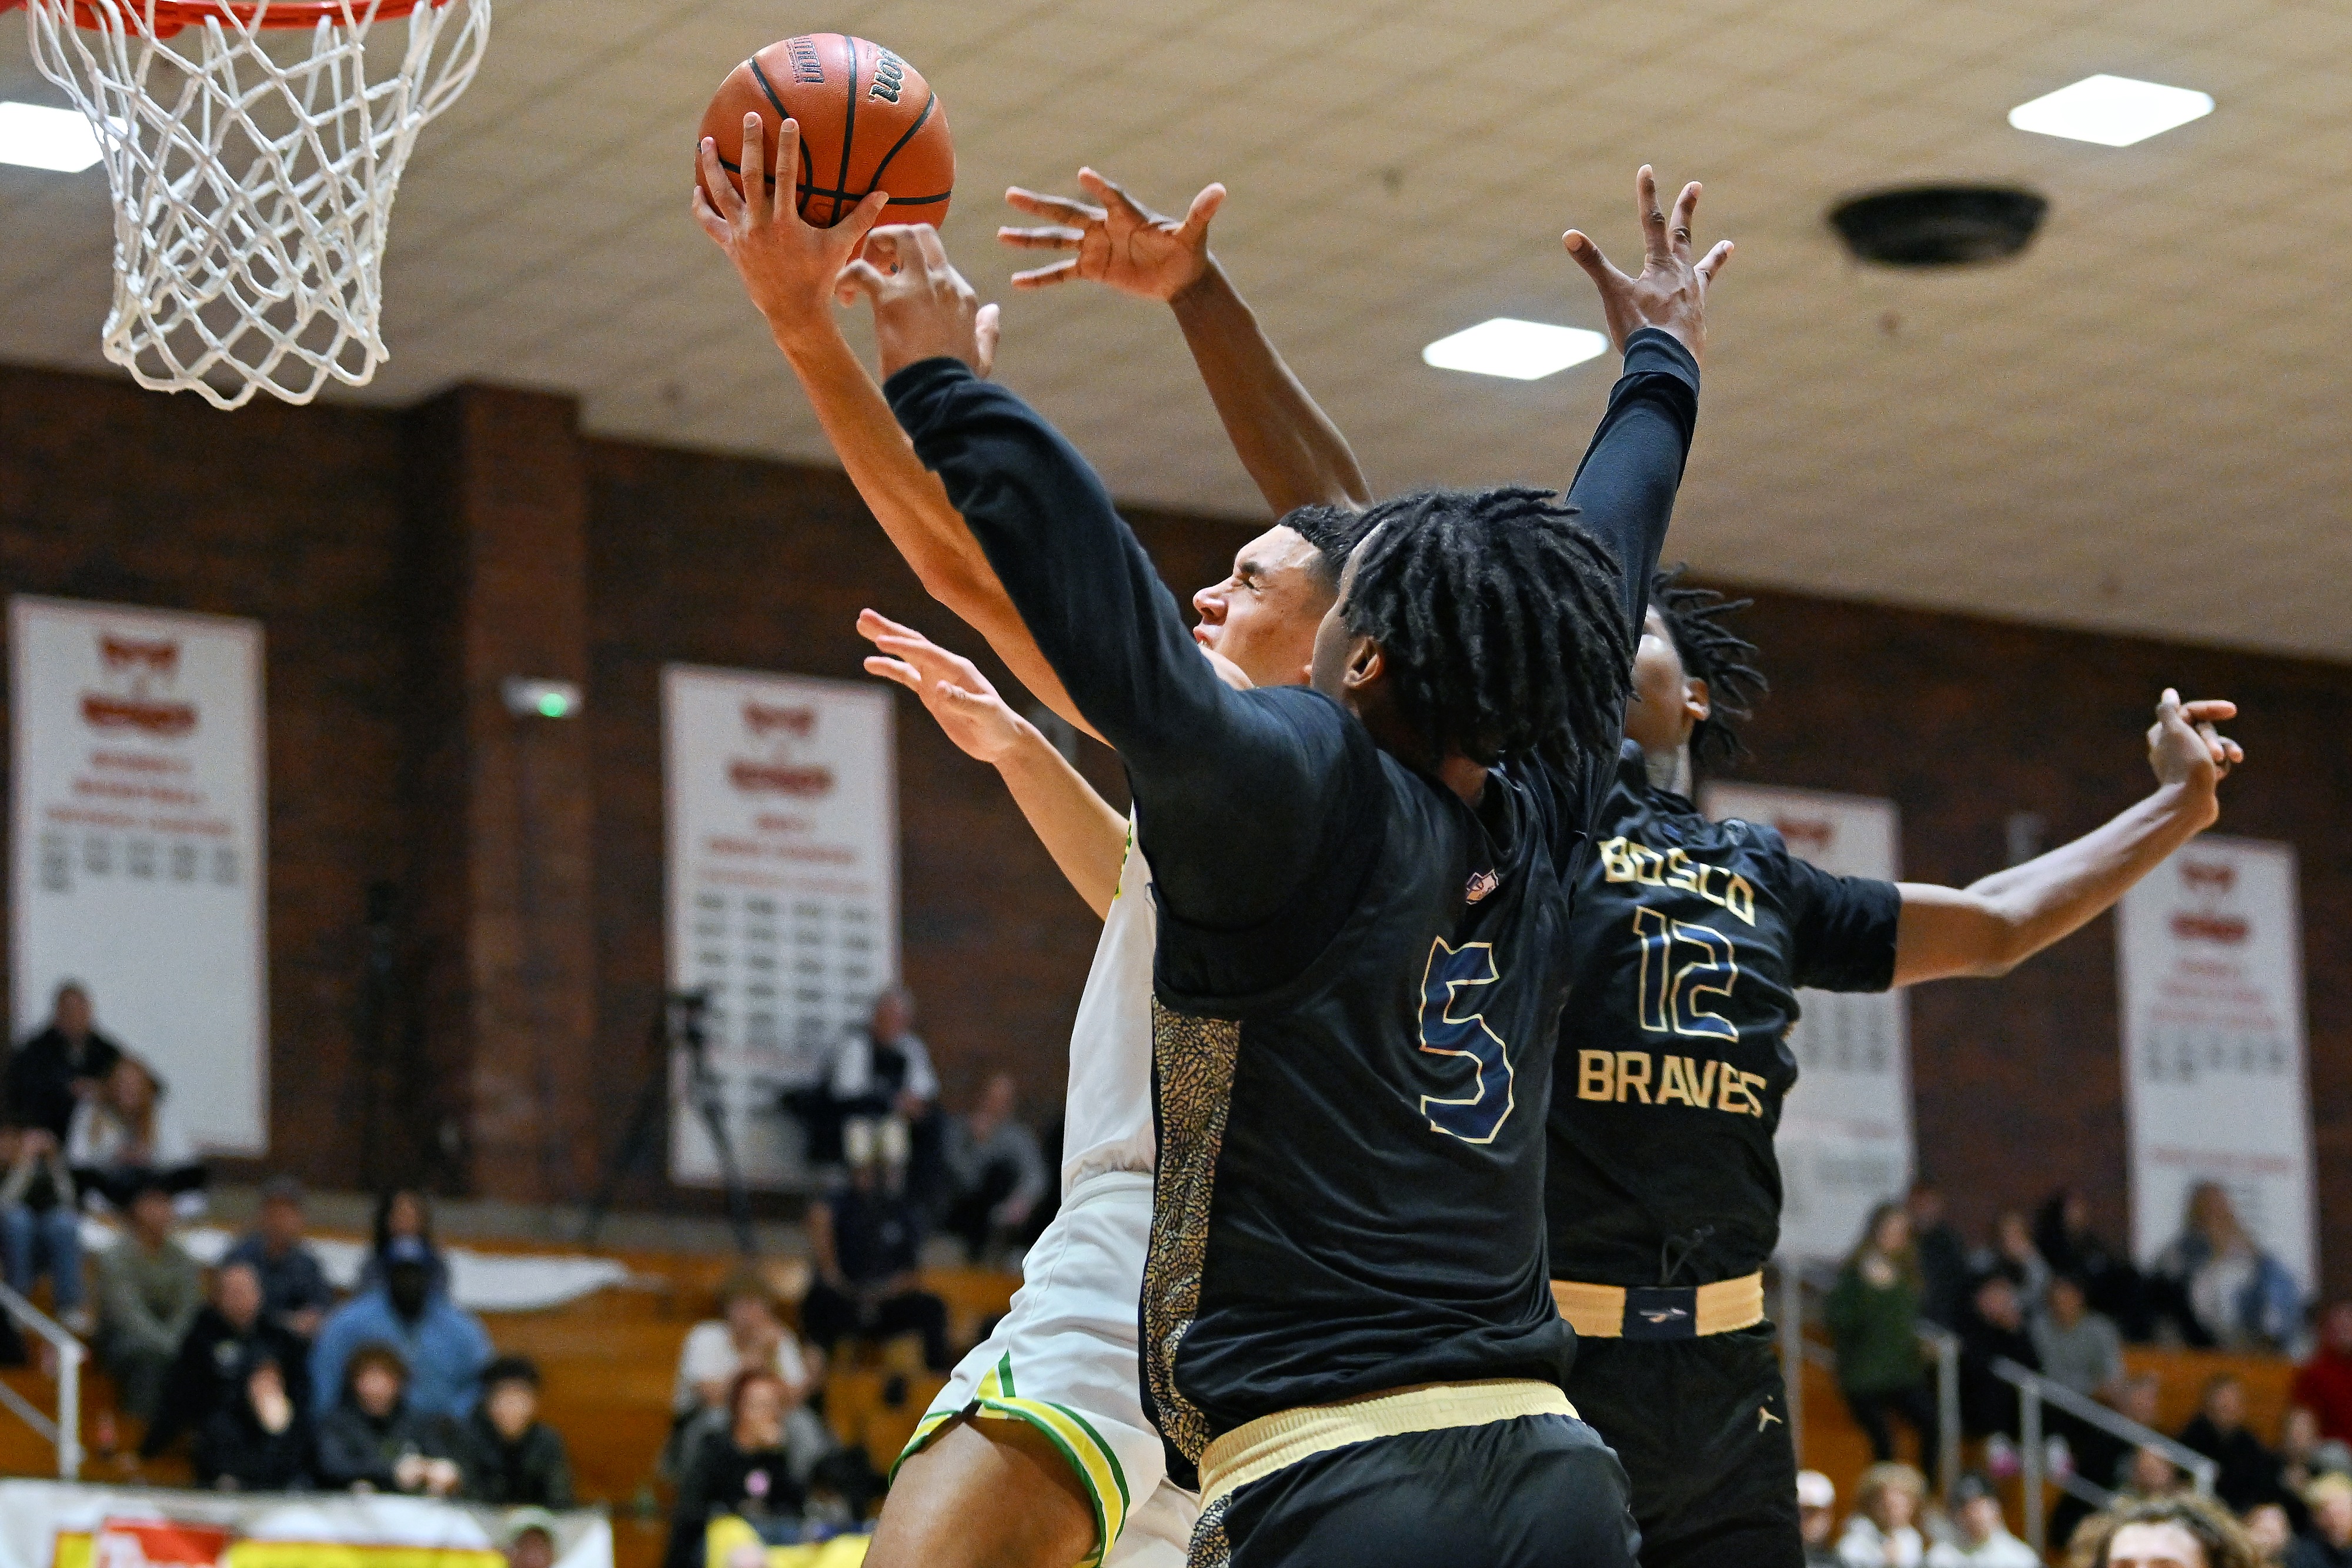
{"x": 2113, "y": 111}
{"x": 37, "y": 137}
{"x": 1518, "y": 351}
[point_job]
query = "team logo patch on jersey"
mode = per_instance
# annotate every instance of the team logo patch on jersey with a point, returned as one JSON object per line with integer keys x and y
{"x": 1481, "y": 885}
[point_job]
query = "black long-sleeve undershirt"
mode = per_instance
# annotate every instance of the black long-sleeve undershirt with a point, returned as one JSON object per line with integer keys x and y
{"x": 1245, "y": 800}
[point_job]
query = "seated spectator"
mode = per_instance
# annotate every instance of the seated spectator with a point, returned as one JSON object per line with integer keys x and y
{"x": 511, "y": 1457}
{"x": 2303, "y": 1456}
{"x": 1993, "y": 1330}
{"x": 40, "y": 1228}
{"x": 2102, "y": 1459}
{"x": 996, "y": 1174}
{"x": 261, "y": 1439}
{"x": 2328, "y": 1542}
{"x": 1982, "y": 1537}
{"x": 747, "y": 1334}
{"x": 1883, "y": 1530}
{"x": 2182, "y": 1532}
{"x": 2076, "y": 1346}
{"x": 2250, "y": 1471}
{"x": 2323, "y": 1385}
{"x": 2226, "y": 1291}
{"x": 124, "y": 1137}
{"x": 404, "y": 1214}
{"x": 373, "y": 1439}
{"x": 528, "y": 1538}
{"x": 864, "y": 1238}
{"x": 54, "y": 1071}
{"x": 2269, "y": 1533}
{"x": 742, "y": 1470}
{"x": 2013, "y": 1255}
{"x": 227, "y": 1338}
{"x": 442, "y": 1349}
{"x": 150, "y": 1291}
{"x": 1817, "y": 1518}
{"x": 294, "y": 1289}
{"x": 1942, "y": 1255}
{"x": 1873, "y": 1319}
{"x": 2063, "y": 1236}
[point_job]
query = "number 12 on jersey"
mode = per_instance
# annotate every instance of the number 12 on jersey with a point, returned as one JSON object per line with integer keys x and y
{"x": 1671, "y": 990}
{"x": 1477, "y": 1116}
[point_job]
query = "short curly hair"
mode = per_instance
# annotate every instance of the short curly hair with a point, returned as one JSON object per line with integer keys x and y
{"x": 2222, "y": 1538}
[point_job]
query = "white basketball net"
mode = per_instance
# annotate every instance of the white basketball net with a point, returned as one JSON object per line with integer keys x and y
{"x": 253, "y": 171}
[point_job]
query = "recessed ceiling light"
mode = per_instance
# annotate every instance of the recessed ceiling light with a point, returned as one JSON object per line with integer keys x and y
{"x": 43, "y": 138}
{"x": 1522, "y": 350}
{"x": 2113, "y": 111}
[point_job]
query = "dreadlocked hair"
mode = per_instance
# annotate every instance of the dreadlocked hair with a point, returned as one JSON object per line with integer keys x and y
{"x": 1334, "y": 531}
{"x": 1501, "y": 620}
{"x": 1711, "y": 651}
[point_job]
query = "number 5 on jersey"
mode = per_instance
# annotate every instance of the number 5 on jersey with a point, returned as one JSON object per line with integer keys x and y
{"x": 1477, "y": 1116}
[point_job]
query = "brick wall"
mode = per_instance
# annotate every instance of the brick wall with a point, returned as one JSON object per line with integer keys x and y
{"x": 309, "y": 519}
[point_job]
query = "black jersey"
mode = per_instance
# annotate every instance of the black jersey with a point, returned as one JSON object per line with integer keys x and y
{"x": 1691, "y": 939}
{"x": 1359, "y": 976}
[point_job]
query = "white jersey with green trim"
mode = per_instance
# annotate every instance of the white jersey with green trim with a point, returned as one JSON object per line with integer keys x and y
{"x": 1107, "y": 1123}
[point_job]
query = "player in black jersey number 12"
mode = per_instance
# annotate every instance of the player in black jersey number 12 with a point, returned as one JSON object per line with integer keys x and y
{"x": 1691, "y": 939}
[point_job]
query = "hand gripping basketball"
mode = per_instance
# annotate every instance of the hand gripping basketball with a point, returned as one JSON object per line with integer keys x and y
{"x": 789, "y": 268}
{"x": 1670, "y": 293}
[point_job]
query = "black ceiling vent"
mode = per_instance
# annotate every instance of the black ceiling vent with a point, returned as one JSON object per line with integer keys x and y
{"x": 1939, "y": 225}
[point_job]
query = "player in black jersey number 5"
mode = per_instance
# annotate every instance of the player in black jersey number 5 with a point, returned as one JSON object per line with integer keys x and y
{"x": 1348, "y": 1333}
{"x": 1691, "y": 940}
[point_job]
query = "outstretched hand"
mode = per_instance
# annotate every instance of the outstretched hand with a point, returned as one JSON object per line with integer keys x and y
{"x": 1670, "y": 292}
{"x": 1120, "y": 243}
{"x": 2185, "y": 748}
{"x": 789, "y": 268}
{"x": 954, "y": 691}
{"x": 923, "y": 309}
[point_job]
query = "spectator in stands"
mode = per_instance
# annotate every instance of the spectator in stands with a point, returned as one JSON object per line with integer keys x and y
{"x": 2104, "y": 1459}
{"x": 150, "y": 1291}
{"x": 53, "y": 1070}
{"x": 865, "y": 1238}
{"x": 1993, "y": 1330}
{"x": 1981, "y": 1535}
{"x": 373, "y": 1439}
{"x": 528, "y": 1539}
{"x": 2078, "y": 1347}
{"x": 441, "y": 1348}
{"x": 40, "y": 1228}
{"x": 2328, "y": 1542}
{"x": 1883, "y": 1530}
{"x": 748, "y": 1333}
{"x": 404, "y": 1214}
{"x": 1817, "y": 1518}
{"x": 2322, "y": 1385}
{"x": 743, "y": 1470}
{"x": 2177, "y": 1531}
{"x": 1873, "y": 1319}
{"x": 510, "y": 1456}
{"x": 882, "y": 1072}
{"x": 124, "y": 1137}
{"x": 1942, "y": 1257}
{"x": 294, "y": 1286}
{"x": 2250, "y": 1471}
{"x": 227, "y": 1337}
{"x": 2148, "y": 1473}
{"x": 261, "y": 1440}
{"x": 2013, "y": 1255}
{"x": 2304, "y": 1456}
{"x": 2270, "y": 1532}
{"x": 2063, "y": 1236}
{"x": 996, "y": 1174}
{"x": 2224, "y": 1288}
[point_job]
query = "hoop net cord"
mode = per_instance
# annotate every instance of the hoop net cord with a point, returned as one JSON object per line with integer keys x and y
{"x": 252, "y": 196}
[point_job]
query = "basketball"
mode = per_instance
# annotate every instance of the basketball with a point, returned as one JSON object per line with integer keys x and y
{"x": 867, "y": 119}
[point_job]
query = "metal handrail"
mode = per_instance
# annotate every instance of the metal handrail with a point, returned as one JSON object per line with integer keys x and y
{"x": 1796, "y": 1350}
{"x": 2034, "y": 1390}
{"x": 65, "y": 1432}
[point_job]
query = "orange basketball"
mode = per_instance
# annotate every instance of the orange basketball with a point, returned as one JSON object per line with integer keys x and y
{"x": 867, "y": 119}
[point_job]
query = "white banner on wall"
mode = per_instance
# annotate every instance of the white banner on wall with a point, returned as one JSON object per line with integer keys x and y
{"x": 2210, "y": 948}
{"x": 138, "y": 839}
{"x": 782, "y": 806}
{"x": 1846, "y": 1132}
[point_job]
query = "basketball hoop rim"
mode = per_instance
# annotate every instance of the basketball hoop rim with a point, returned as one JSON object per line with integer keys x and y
{"x": 266, "y": 15}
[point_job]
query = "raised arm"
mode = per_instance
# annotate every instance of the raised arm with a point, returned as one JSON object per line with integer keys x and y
{"x": 1292, "y": 452}
{"x": 1991, "y": 926}
{"x": 791, "y": 271}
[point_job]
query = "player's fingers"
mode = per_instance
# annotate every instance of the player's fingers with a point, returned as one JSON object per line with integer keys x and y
{"x": 726, "y": 198}
{"x": 851, "y": 231}
{"x": 1054, "y": 209}
{"x": 1653, "y": 219}
{"x": 1588, "y": 257}
{"x": 2211, "y": 708}
{"x": 986, "y": 328}
{"x": 1046, "y": 277}
{"x": 1055, "y": 238}
{"x": 759, "y": 197}
{"x": 892, "y": 670}
{"x": 873, "y": 623}
{"x": 707, "y": 217}
{"x": 860, "y": 276}
{"x": 1711, "y": 266}
{"x": 1115, "y": 199}
{"x": 885, "y": 247}
{"x": 1685, "y": 209}
{"x": 1204, "y": 208}
{"x": 933, "y": 251}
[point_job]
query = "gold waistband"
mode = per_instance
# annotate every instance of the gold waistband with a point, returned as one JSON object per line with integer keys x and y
{"x": 1257, "y": 1449}
{"x": 1598, "y": 1312}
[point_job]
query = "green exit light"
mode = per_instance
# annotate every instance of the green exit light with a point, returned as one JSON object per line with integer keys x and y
{"x": 554, "y": 706}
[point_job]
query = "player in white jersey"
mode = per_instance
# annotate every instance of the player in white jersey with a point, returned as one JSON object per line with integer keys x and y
{"x": 1039, "y": 1453}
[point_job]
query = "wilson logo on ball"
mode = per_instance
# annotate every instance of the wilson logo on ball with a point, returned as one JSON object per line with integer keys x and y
{"x": 889, "y": 74}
